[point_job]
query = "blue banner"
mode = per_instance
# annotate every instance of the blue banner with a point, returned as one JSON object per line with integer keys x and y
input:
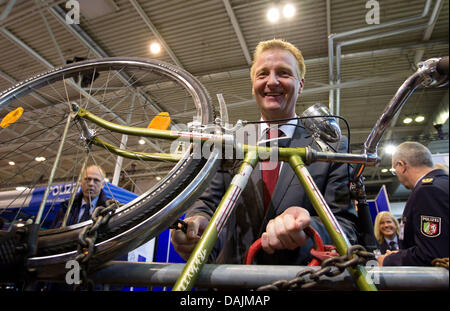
{"x": 380, "y": 204}
{"x": 57, "y": 195}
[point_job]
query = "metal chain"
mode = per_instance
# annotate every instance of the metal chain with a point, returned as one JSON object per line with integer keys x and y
{"x": 331, "y": 267}
{"x": 87, "y": 238}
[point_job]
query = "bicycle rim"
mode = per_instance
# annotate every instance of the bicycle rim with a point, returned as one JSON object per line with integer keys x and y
{"x": 124, "y": 91}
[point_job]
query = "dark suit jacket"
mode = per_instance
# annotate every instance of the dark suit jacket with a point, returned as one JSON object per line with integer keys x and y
{"x": 75, "y": 211}
{"x": 248, "y": 222}
{"x": 426, "y": 223}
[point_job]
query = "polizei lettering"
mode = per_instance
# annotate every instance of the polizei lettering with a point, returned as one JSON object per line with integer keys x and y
{"x": 243, "y": 301}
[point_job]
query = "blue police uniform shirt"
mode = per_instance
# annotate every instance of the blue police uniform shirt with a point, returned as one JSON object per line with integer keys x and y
{"x": 395, "y": 240}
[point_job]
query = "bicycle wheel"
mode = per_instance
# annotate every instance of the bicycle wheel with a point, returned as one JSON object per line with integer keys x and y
{"x": 123, "y": 91}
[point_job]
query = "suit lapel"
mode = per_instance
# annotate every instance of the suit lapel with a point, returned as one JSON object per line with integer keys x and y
{"x": 249, "y": 135}
{"x": 73, "y": 216}
{"x": 75, "y": 211}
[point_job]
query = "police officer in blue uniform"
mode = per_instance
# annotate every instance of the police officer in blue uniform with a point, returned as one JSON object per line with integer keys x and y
{"x": 90, "y": 196}
{"x": 424, "y": 225}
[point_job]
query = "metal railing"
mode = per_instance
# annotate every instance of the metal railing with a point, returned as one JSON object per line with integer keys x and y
{"x": 253, "y": 276}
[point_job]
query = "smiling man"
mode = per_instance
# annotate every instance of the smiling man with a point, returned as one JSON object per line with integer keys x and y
{"x": 273, "y": 206}
{"x": 277, "y": 78}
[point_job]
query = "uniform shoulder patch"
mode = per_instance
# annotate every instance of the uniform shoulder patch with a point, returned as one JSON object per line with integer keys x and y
{"x": 430, "y": 226}
{"x": 427, "y": 180}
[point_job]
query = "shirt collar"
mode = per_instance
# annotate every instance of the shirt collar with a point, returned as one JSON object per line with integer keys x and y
{"x": 395, "y": 239}
{"x": 288, "y": 130}
{"x": 93, "y": 202}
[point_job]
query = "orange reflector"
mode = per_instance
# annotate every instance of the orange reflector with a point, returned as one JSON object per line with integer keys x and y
{"x": 160, "y": 122}
{"x": 11, "y": 117}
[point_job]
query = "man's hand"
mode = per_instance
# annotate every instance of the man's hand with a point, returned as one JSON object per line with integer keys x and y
{"x": 286, "y": 230}
{"x": 183, "y": 243}
{"x": 380, "y": 259}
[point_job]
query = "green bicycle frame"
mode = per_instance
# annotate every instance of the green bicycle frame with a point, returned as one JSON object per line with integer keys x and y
{"x": 296, "y": 157}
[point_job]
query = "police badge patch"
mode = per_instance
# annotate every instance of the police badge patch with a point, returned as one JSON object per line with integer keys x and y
{"x": 430, "y": 226}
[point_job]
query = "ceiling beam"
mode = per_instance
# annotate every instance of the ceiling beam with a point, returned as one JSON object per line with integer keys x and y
{"x": 428, "y": 31}
{"x": 41, "y": 59}
{"x": 237, "y": 30}
{"x": 52, "y": 36}
{"x": 79, "y": 33}
{"x": 29, "y": 50}
{"x": 155, "y": 32}
{"x": 7, "y": 10}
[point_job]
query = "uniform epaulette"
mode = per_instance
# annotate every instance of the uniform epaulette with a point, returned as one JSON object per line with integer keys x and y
{"x": 427, "y": 180}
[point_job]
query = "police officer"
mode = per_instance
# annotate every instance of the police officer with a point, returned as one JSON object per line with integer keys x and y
{"x": 424, "y": 226}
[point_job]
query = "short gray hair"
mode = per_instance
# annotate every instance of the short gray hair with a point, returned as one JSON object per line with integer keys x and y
{"x": 99, "y": 168}
{"x": 413, "y": 153}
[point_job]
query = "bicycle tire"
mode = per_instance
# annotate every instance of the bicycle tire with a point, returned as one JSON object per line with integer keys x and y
{"x": 57, "y": 246}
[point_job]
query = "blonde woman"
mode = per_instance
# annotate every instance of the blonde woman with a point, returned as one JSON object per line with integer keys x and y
{"x": 386, "y": 231}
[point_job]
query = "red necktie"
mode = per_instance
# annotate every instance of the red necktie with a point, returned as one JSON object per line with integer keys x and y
{"x": 270, "y": 173}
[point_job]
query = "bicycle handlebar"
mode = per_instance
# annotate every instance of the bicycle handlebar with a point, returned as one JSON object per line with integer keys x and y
{"x": 433, "y": 72}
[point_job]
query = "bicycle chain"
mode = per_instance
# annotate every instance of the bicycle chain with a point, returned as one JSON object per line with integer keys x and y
{"x": 87, "y": 238}
{"x": 331, "y": 267}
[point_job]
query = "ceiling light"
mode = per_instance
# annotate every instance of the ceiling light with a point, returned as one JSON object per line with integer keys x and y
{"x": 389, "y": 149}
{"x": 155, "y": 48}
{"x": 419, "y": 119}
{"x": 158, "y": 178}
{"x": 39, "y": 159}
{"x": 12, "y": 163}
{"x": 273, "y": 15}
{"x": 384, "y": 170}
{"x": 288, "y": 10}
{"x": 21, "y": 188}
{"x": 442, "y": 117}
{"x": 407, "y": 120}
{"x": 141, "y": 141}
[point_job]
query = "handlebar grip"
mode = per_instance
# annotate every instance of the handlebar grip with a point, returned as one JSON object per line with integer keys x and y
{"x": 442, "y": 66}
